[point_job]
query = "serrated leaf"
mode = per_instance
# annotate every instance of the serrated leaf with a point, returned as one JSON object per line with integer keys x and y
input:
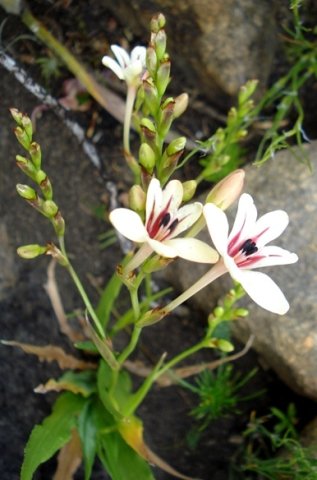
{"x": 55, "y": 431}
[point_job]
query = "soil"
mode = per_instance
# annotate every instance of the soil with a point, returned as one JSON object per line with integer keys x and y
{"x": 81, "y": 190}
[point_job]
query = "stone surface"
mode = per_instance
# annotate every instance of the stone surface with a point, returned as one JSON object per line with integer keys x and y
{"x": 288, "y": 344}
{"x": 218, "y": 46}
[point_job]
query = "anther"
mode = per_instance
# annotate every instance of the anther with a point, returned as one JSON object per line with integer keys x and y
{"x": 249, "y": 247}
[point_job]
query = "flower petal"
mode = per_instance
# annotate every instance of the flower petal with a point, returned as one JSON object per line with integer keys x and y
{"x": 218, "y": 227}
{"x": 129, "y": 224}
{"x": 162, "y": 249}
{"x": 172, "y": 194}
{"x": 121, "y": 55}
{"x": 245, "y": 220}
{"x": 187, "y": 216}
{"x": 138, "y": 53}
{"x": 272, "y": 255}
{"x": 153, "y": 199}
{"x": 263, "y": 291}
{"x": 193, "y": 249}
{"x": 269, "y": 226}
{"x": 114, "y": 66}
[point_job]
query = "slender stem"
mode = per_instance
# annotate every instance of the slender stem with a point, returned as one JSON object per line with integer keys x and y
{"x": 131, "y": 345}
{"x": 131, "y": 93}
{"x": 187, "y": 353}
{"x": 217, "y": 270}
{"x": 141, "y": 255}
{"x": 81, "y": 290}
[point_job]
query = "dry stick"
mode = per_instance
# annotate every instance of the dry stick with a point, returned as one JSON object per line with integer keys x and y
{"x": 171, "y": 378}
{"x": 52, "y": 291}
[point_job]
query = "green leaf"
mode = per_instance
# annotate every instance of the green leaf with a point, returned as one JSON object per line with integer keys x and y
{"x": 120, "y": 461}
{"x": 87, "y": 430}
{"x": 52, "y": 434}
{"x": 108, "y": 298}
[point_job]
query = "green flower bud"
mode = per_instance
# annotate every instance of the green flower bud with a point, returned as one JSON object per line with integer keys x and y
{"x": 27, "y": 125}
{"x": 26, "y": 192}
{"x": 22, "y": 137}
{"x": 58, "y": 224}
{"x": 46, "y": 188}
{"x": 50, "y": 208}
{"x": 160, "y": 44}
{"x": 36, "y": 156}
{"x": 224, "y": 345}
{"x": 163, "y": 76}
{"x": 177, "y": 145}
{"x": 166, "y": 116}
{"x": 40, "y": 176}
{"x": 181, "y": 103}
{"x": 26, "y": 166}
{"x": 151, "y": 96}
{"x": 147, "y": 157}
{"x": 17, "y": 115}
{"x": 151, "y": 60}
{"x": 241, "y": 312}
{"x": 157, "y": 22}
{"x": 189, "y": 190}
{"x": 148, "y": 130}
{"x": 219, "y": 311}
{"x": 137, "y": 198}
{"x": 31, "y": 251}
{"x": 247, "y": 90}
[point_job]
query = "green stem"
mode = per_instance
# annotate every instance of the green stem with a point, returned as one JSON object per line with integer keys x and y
{"x": 131, "y": 345}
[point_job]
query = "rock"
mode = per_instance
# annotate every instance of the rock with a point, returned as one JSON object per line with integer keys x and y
{"x": 218, "y": 46}
{"x": 288, "y": 344}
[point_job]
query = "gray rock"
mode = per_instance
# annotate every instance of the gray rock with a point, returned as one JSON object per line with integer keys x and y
{"x": 288, "y": 344}
{"x": 218, "y": 46}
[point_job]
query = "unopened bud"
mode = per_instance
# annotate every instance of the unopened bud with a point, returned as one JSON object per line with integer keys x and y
{"x": 151, "y": 96}
{"x": 151, "y": 60}
{"x": 31, "y": 251}
{"x": 26, "y": 166}
{"x": 157, "y": 22}
{"x": 58, "y": 224}
{"x": 163, "y": 76}
{"x": 148, "y": 132}
{"x": 36, "y": 156}
{"x": 181, "y": 103}
{"x": 247, "y": 90}
{"x": 46, "y": 188}
{"x": 50, "y": 208}
{"x": 241, "y": 312}
{"x": 147, "y": 157}
{"x": 137, "y": 198}
{"x": 17, "y": 115}
{"x": 26, "y": 192}
{"x": 227, "y": 190}
{"x": 176, "y": 146}
{"x": 166, "y": 117}
{"x": 27, "y": 125}
{"x": 189, "y": 190}
{"x": 160, "y": 44}
{"x": 22, "y": 137}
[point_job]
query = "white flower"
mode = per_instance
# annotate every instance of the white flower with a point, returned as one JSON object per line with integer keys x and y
{"x": 245, "y": 249}
{"x": 164, "y": 221}
{"x": 127, "y": 67}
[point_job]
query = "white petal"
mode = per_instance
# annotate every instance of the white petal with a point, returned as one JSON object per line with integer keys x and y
{"x": 173, "y": 193}
{"x": 187, "y": 216}
{"x": 218, "y": 227}
{"x": 121, "y": 55}
{"x": 245, "y": 219}
{"x": 129, "y": 224}
{"x": 193, "y": 249}
{"x": 114, "y": 66}
{"x": 263, "y": 291}
{"x": 153, "y": 198}
{"x": 162, "y": 249}
{"x": 139, "y": 53}
{"x": 269, "y": 227}
{"x": 273, "y": 256}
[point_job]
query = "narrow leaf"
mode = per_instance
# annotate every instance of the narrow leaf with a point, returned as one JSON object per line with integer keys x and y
{"x": 108, "y": 298}
{"x": 87, "y": 430}
{"x": 82, "y": 382}
{"x": 52, "y": 434}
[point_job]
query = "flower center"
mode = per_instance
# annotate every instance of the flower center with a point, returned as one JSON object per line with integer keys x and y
{"x": 162, "y": 227}
{"x": 249, "y": 247}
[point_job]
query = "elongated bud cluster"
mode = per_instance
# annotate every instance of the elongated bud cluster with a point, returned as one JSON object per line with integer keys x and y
{"x": 32, "y": 168}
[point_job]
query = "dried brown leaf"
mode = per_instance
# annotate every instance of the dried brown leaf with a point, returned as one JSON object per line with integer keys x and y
{"x": 51, "y": 353}
{"x": 69, "y": 459}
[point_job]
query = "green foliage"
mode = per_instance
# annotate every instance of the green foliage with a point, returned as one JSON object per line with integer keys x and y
{"x": 55, "y": 431}
{"x": 50, "y": 67}
{"x": 274, "y": 452}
